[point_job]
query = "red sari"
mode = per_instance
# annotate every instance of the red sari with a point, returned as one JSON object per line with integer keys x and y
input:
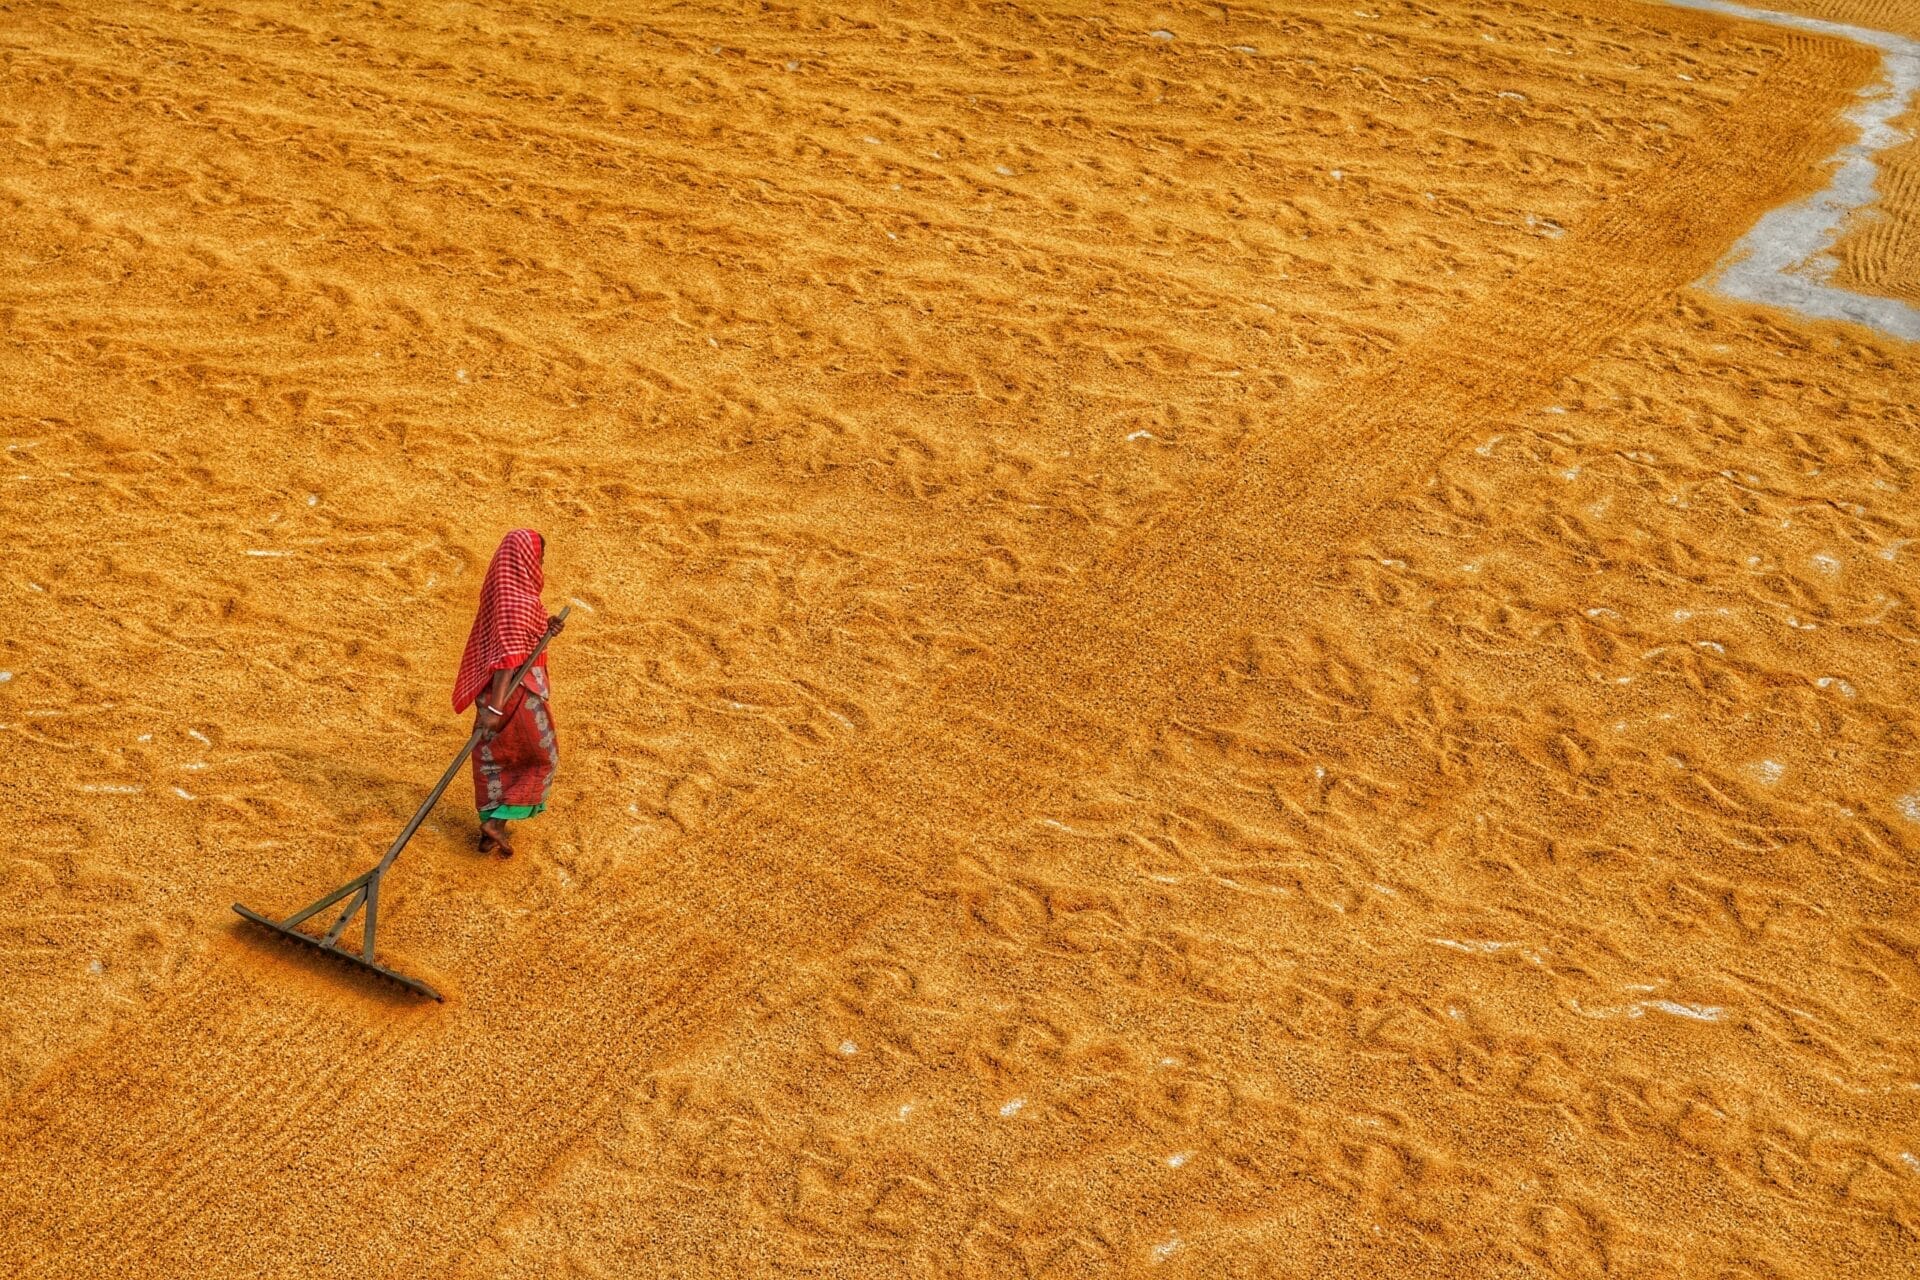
{"x": 512, "y": 771}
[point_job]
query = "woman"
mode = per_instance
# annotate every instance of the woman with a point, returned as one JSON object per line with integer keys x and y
{"x": 514, "y": 763}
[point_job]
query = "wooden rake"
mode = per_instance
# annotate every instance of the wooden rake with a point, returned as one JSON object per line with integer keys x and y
{"x": 363, "y": 891}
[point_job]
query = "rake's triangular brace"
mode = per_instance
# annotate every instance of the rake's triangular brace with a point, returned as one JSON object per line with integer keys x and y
{"x": 363, "y": 891}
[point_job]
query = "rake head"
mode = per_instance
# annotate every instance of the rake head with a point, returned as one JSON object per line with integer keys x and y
{"x": 366, "y": 964}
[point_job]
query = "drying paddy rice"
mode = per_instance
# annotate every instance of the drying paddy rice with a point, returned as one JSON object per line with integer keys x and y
{"x": 1207, "y": 640}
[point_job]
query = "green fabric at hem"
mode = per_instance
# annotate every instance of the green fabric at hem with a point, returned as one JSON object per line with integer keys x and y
{"x": 511, "y": 812}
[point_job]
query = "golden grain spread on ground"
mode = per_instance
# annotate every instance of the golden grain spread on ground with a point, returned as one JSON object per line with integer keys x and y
{"x": 1194, "y": 654}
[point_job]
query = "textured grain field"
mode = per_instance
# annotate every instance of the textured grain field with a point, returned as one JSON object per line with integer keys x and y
{"x": 1194, "y": 655}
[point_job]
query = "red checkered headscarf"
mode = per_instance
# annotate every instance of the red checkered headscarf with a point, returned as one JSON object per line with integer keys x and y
{"x": 511, "y": 618}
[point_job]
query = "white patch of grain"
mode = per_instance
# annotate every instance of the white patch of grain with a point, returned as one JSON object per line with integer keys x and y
{"x": 1698, "y": 1012}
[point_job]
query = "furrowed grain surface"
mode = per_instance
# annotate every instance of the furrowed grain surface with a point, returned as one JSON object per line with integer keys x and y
{"x": 1195, "y": 658}
{"x": 1878, "y": 251}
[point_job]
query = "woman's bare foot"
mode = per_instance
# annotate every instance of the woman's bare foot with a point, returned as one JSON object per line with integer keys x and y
{"x": 493, "y": 838}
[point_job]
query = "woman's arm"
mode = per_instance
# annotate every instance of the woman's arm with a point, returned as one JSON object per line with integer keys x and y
{"x": 495, "y": 694}
{"x": 492, "y": 702}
